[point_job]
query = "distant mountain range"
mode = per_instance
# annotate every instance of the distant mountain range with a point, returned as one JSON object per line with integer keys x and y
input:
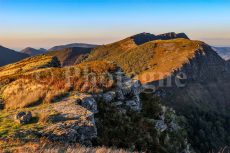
{"x": 68, "y": 54}
{"x": 224, "y": 52}
{"x": 32, "y": 52}
{"x": 8, "y": 56}
{"x": 81, "y": 45}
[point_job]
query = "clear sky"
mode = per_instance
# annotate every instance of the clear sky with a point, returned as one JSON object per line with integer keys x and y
{"x": 45, "y": 23}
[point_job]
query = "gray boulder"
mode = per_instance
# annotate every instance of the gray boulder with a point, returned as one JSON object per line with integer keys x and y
{"x": 88, "y": 102}
{"x": 1, "y": 105}
{"x": 109, "y": 96}
{"x": 134, "y": 105}
{"x": 161, "y": 126}
{"x": 23, "y": 117}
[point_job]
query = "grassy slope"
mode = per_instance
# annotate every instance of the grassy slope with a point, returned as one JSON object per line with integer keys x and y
{"x": 36, "y": 75}
{"x": 38, "y": 147}
{"x": 112, "y": 50}
{"x": 26, "y": 65}
{"x": 157, "y": 59}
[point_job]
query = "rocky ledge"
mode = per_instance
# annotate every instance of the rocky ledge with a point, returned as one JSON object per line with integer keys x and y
{"x": 72, "y": 118}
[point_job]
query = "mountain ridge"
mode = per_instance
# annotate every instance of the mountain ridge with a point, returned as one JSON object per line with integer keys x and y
{"x": 71, "y": 55}
{"x": 82, "y": 45}
{"x": 32, "y": 52}
{"x": 158, "y": 60}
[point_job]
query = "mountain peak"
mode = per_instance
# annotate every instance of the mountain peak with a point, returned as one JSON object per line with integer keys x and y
{"x": 144, "y": 37}
{"x": 173, "y": 35}
{"x": 81, "y": 45}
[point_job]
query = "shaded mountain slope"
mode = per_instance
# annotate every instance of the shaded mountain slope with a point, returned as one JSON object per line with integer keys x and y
{"x": 227, "y": 66}
{"x": 32, "y": 52}
{"x": 8, "y": 56}
{"x": 81, "y": 45}
{"x": 70, "y": 56}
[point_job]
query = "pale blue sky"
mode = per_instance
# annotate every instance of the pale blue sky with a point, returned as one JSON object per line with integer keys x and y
{"x": 45, "y": 23}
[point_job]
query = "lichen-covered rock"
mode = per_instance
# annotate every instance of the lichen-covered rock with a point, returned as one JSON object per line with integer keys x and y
{"x": 88, "y": 102}
{"x": 71, "y": 131}
{"x": 109, "y": 96}
{"x": 1, "y": 104}
{"x": 120, "y": 95}
{"x": 125, "y": 95}
{"x": 161, "y": 126}
{"x": 23, "y": 117}
{"x": 134, "y": 105}
{"x": 75, "y": 123}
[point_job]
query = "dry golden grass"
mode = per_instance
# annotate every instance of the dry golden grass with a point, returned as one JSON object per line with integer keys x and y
{"x": 47, "y": 85}
{"x": 23, "y": 93}
{"x": 48, "y": 147}
{"x": 26, "y": 65}
{"x": 112, "y": 50}
{"x": 151, "y": 61}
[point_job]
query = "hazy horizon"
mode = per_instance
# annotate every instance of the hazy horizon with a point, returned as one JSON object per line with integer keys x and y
{"x": 46, "y": 23}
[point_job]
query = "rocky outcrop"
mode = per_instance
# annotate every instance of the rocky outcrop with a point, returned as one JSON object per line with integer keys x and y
{"x": 71, "y": 123}
{"x": 146, "y": 37}
{"x": 87, "y": 101}
{"x": 23, "y": 117}
{"x": 125, "y": 95}
{"x": 74, "y": 118}
{"x": 1, "y": 104}
{"x": 167, "y": 120}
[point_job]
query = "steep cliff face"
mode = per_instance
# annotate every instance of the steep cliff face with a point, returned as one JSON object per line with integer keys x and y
{"x": 206, "y": 65}
{"x": 201, "y": 82}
